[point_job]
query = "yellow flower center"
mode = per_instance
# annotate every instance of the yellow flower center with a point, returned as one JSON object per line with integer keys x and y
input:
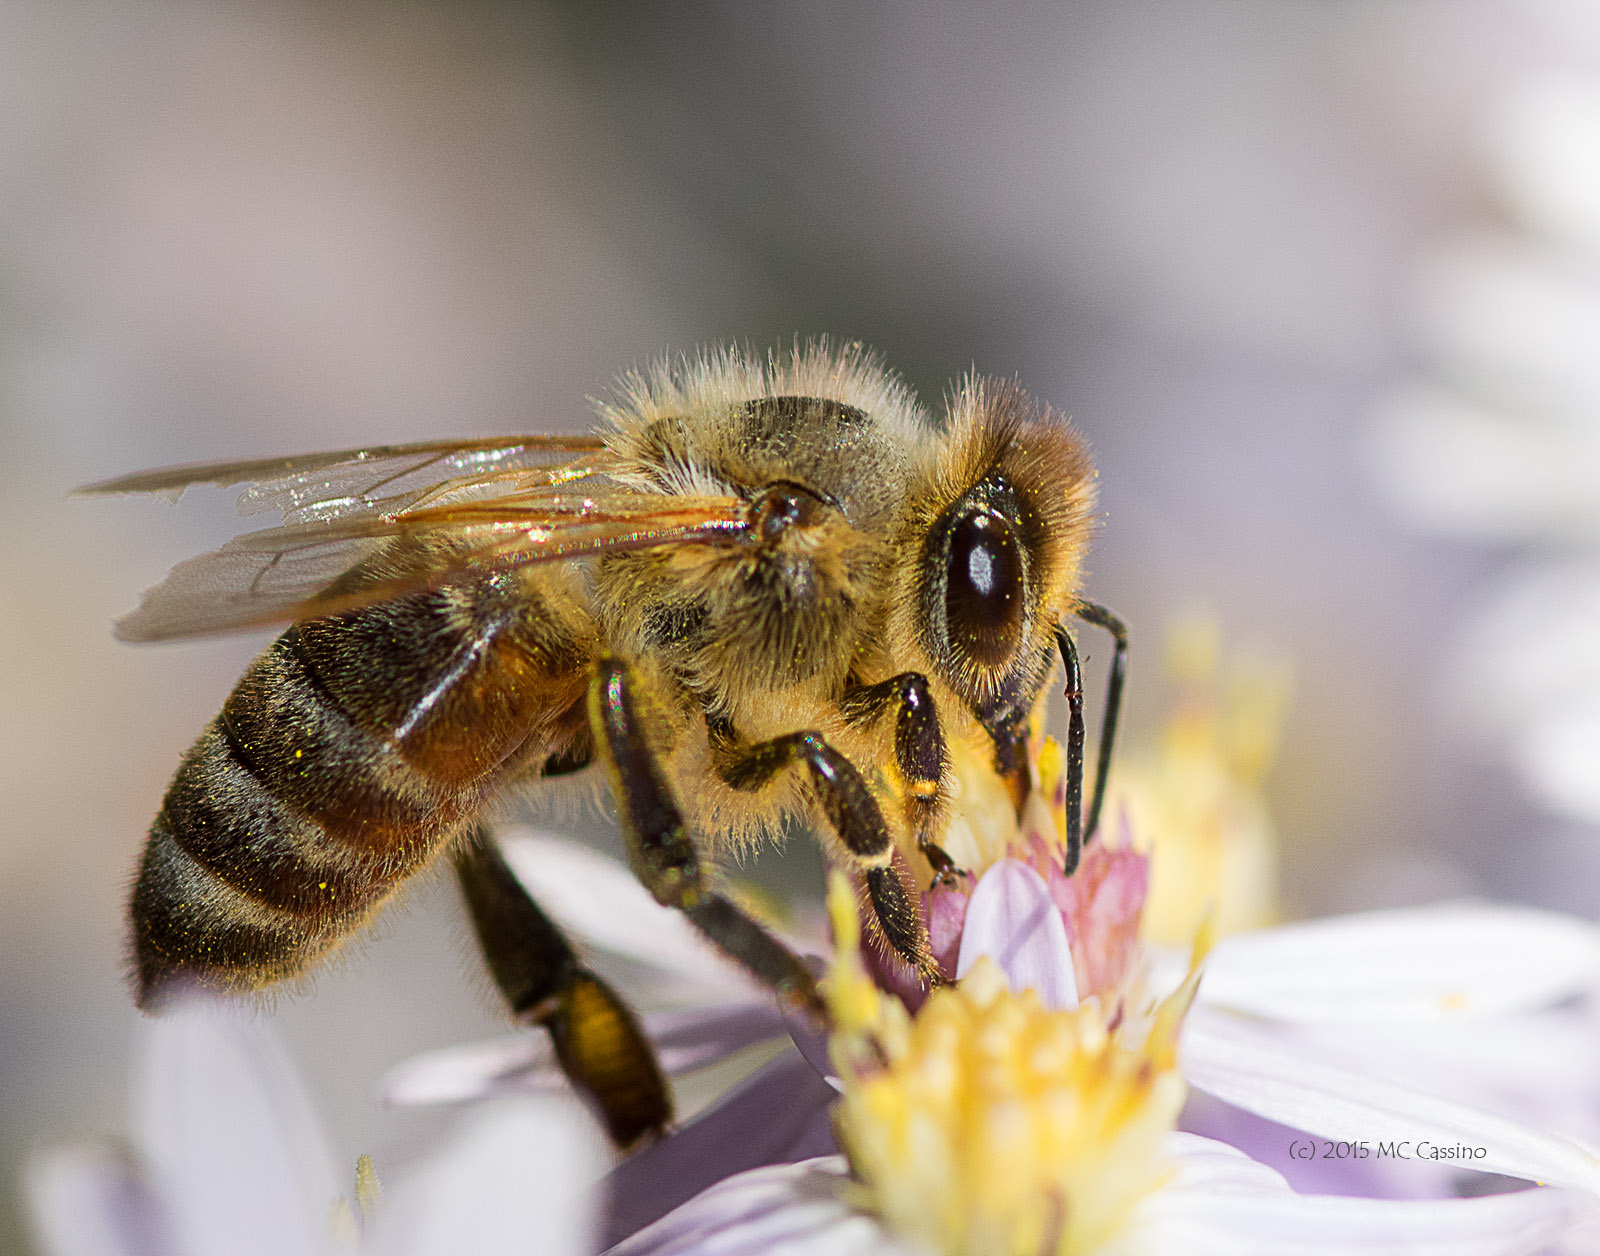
{"x": 989, "y": 1124}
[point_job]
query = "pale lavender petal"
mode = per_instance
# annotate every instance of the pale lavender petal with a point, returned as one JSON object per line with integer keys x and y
{"x": 1246, "y": 1065}
{"x": 1431, "y": 963}
{"x": 783, "y": 1210}
{"x": 602, "y": 903}
{"x": 476, "y": 1070}
{"x": 946, "y": 910}
{"x": 685, "y": 1039}
{"x": 94, "y": 1201}
{"x": 519, "y": 1178}
{"x": 811, "y": 1041}
{"x": 689, "y": 1038}
{"x": 1330, "y": 1170}
{"x": 1537, "y": 1067}
{"x": 230, "y": 1138}
{"x": 1221, "y": 1202}
{"x": 775, "y": 1117}
{"x": 1013, "y": 920}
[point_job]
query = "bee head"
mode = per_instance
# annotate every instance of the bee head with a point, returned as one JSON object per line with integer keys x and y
{"x": 992, "y": 546}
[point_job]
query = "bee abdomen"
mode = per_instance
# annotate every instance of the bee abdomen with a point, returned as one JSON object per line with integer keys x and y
{"x": 350, "y": 752}
{"x": 286, "y": 825}
{"x": 190, "y": 924}
{"x": 239, "y": 887}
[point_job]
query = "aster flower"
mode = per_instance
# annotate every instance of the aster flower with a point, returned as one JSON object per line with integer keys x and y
{"x": 226, "y": 1155}
{"x": 1499, "y": 440}
{"x": 1382, "y": 1029}
{"x": 992, "y": 1122}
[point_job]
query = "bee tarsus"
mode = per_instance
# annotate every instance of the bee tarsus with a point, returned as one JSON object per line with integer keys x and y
{"x": 597, "y": 1040}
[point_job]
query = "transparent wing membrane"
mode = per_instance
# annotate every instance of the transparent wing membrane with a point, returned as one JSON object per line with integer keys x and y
{"x": 456, "y": 510}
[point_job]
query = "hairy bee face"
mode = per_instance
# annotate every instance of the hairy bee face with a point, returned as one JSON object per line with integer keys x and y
{"x": 990, "y": 552}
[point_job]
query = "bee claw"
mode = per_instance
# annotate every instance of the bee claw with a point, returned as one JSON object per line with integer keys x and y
{"x": 945, "y": 872}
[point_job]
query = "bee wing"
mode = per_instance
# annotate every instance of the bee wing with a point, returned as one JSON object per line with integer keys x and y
{"x": 303, "y": 570}
{"x": 380, "y": 480}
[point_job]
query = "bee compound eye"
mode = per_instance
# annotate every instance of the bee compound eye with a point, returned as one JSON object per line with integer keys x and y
{"x": 984, "y": 588}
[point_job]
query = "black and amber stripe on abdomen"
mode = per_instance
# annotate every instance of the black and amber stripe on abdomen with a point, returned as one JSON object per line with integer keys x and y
{"x": 285, "y": 826}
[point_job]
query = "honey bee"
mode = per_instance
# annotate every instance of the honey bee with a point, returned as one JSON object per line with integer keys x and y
{"x": 765, "y": 590}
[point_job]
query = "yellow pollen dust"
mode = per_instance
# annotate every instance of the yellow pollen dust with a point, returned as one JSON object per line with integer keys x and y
{"x": 989, "y": 1124}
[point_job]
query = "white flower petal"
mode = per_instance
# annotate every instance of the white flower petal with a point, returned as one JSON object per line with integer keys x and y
{"x": 783, "y": 1210}
{"x": 778, "y": 1115}
{"x": 1012, "y": 919}
{"x": 1222, "y": 1202}
{"x": 478, "y": 1070}
{"x": 1479, "y": 471}
{"x": 685, "y": 1039}
{"x": 1535, "y": 644}
{"x": 91, "y": 1201}
{"x": 1433, "y": 963}
{"x": 1538, "y": 1067}
{"x": 601, "y": 902}
{"x": 519, "y": 1178}
{"x": 1560, "y": 757}
{"x": 1515, "y": 319}
{"x": 1245, "y": 1065}
{"x": 230, "y": 1138}
{"x": 1204, "y": 1164}
{"x": 1545, "y": 136}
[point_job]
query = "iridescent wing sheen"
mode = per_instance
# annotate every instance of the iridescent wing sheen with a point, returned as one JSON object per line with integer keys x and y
{"x": 380, "y": 480}
{"x": 457, "y": 511}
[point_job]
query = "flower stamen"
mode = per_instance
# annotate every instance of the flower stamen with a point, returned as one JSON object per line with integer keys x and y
{"x": 989, "y": 1123}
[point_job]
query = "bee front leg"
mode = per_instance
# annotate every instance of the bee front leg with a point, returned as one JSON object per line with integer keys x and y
{"x": 598, "y": 1042}
{"x": 664, "y": 853}
{"x": 1078, "y": 831}
{"x": 1094, "y": 613}
{"x": 919, "y": 751}
{"x": 856, "y": 818}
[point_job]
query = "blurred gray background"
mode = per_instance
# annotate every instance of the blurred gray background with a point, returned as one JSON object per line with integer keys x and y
{"x": 235, "y": 230}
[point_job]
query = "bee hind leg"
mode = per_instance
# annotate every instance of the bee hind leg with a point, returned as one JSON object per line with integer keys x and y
{"x": 664, "y": 853}
{"x": 856, "y": 818}
{"x": 597, "y": 1041}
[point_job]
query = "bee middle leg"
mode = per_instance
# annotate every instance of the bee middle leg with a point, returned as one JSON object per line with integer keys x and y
{"x": 919, "y": 751}
{"x": 856, "y": 817}
{"x": 597, "y": 1041}
{"x": 664, "y": 853}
